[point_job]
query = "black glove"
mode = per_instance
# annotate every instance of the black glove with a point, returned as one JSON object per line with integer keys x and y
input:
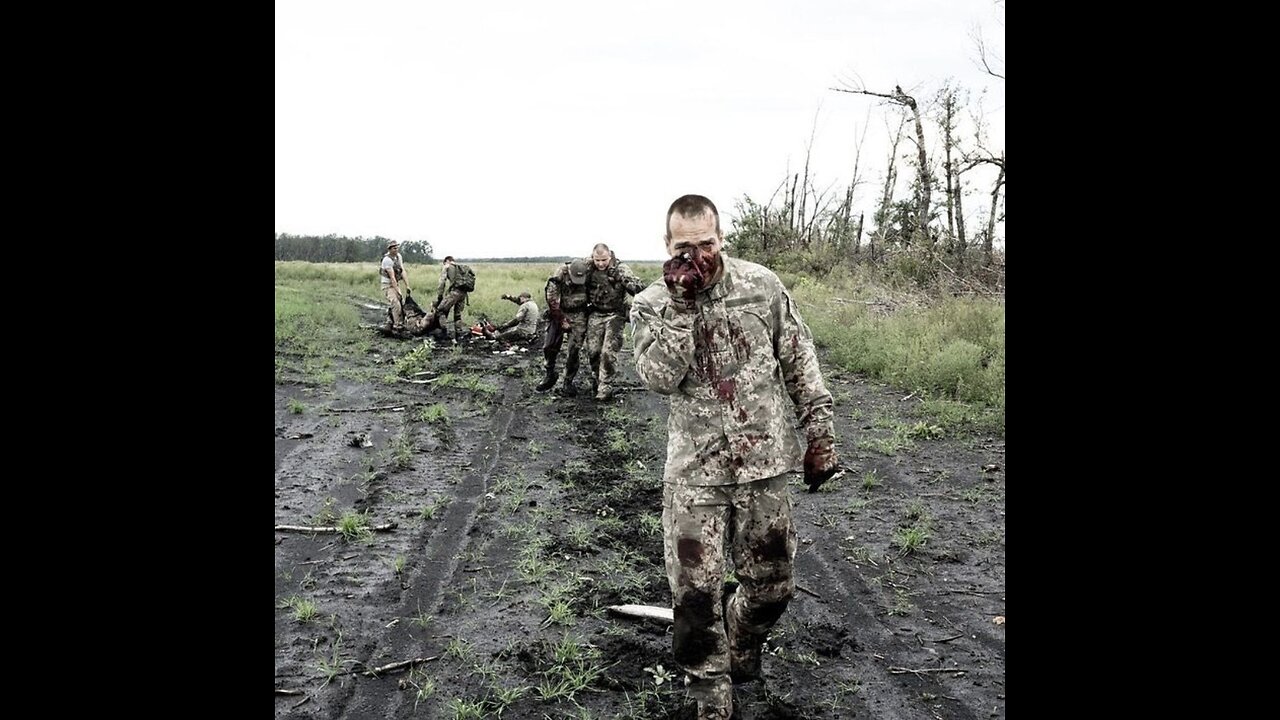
{"x": 439, "y": 298}
{"x": 820, "y": 462}
{"x": 684, "y": 275}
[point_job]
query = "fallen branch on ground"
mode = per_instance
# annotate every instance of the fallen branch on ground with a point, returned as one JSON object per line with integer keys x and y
{"x": 644, "y": 611}
{"x": 323, "y": 529}
{"x": 394, "y": 408}
{"x": 807, "y": 591}
{"x": 901, "y": 670}
{"x": 286, "y": 691}
{"x": 397, "y": 666}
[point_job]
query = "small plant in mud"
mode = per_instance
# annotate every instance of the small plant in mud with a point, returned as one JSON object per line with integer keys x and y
{"x": 402, "y": 453}
{"x": 423, "y": 684}
{"x": 354, "y": 526}
{"x": 397, "y": 564}
{"x": 326, "y": 515}
{"x": 651, "y": 524}
{"x": 911, "y": 539}
{"x": 536, "y": 448}
{"x": 415, "y": 360}
{"x": 460, "y": 649}
{"x": 580, "y": 535}
{"x": 886, "y": 446}
{"x": 333, "y": 664}
{"x": 466, "y": 709}
{"x": 870, "y": 479}
{"x": 422, "y": 619}
{"x": 296, "y": 407}
{"x": 901, "y": 603}
{"x": 924, "y": 431}
{"x": 618, "y": 442}
{"x": 574, "y": 668}
{"x": 660, "y": 675}
{"x": 304, "y": 610}
{"x": 505, "y": 697}
{"x": 436, "y": 414}
{"x": 432, "y": 507}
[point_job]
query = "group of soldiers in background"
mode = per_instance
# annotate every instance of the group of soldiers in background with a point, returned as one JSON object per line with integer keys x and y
{"x": 587, "y": 304}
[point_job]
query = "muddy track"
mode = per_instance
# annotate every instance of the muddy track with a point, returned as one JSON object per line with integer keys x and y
{"x": 543, "y": 512}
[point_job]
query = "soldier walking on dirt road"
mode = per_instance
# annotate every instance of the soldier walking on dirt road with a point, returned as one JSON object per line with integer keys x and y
{"x": 724, "y": 340}
{"x": 451, "y": 275}
{"x": 608, "y": 286}
{"x": 566, "y": 293}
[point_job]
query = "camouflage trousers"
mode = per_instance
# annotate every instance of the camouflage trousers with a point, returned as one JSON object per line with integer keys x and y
{"x": 554, "y": 340}
{"x": 453, "y": 300}
{"x": 604, "y": 340}
{"x": 754, "y": 520}
{"x": 397, "y": 305}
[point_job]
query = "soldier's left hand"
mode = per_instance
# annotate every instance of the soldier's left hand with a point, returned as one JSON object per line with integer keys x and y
{"x": 820, "y": 462}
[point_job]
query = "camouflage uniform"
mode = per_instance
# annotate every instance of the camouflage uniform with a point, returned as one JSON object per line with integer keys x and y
{"x": 736, "y": 370}
{"x": 608, "y": 290}
{"x": 564, "y": 295}
{"x": 523, "y": 326}
{"x": 455, "y": 300}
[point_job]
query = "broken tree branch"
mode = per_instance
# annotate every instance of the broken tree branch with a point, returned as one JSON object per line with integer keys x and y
{"x": 286, "y": 691}
{"x": 394, "y": 408}
{"x": 398, "y": 665}
{"x": 901, "y": 670}
{"x": 323, "y": 529}
{"x": 644, "y": 611}
{"x": 807, "y": 591}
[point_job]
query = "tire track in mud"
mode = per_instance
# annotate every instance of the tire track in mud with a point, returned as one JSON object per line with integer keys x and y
{"x": 853, "y": 602}
{"x": 438, "y": 549}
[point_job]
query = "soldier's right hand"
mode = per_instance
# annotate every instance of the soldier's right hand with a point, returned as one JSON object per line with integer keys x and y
{"x": 684, "y": 277}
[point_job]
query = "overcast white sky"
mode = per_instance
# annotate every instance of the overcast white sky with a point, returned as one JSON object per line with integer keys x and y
{"x": 510, "y": 128}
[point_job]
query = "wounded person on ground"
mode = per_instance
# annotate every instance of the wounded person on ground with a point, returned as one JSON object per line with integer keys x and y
{"x": 417, "y": 322}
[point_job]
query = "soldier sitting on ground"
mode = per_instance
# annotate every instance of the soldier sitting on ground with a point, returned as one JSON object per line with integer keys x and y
{"x": 521, "y": 328}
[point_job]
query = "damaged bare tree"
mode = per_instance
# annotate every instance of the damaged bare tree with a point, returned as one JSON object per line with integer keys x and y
{"x": 920, "y": 226}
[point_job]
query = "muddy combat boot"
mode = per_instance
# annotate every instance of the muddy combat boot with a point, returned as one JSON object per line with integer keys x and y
{"x": 707, "y": 711}
{"x": 549, "y": 381}
{"x": 570, "y": 390}
{"x": 604, "y": 392}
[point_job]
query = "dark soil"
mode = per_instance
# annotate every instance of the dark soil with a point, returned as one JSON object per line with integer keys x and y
{"x": 544, "y": 512}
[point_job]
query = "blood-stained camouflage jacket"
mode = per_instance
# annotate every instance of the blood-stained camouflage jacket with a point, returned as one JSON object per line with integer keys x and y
{"x": 560, "y": 289}
{"x": 740, "y": 371}
{"x": 608, "y": 289}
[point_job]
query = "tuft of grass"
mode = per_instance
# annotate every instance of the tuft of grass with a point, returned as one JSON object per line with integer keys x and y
{"x": 326, "y": 515}
{"x": 651, "y": 524}
{"x": 434, "y": 506}
{"x": 304, "y": 610}
{"x": 870, "y": 479}
{"x": 460, "y": 649}
{"x": 911, "y": 539}
{"x": 435, "y": 414}
{"x": 397, "y": 564}
{"x": 296, "y": 407}
{"x": 354, "y": 526}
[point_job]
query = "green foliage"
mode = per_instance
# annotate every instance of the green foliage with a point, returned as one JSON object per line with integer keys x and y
{"x": 437, "y": 413}
{"x": 354, "y": 526}
{"x": 342, "y": 249}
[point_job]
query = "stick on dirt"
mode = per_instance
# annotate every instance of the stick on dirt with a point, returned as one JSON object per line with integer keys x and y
{"x": 322, "y": 529}
{"x": 399, "y": 665}
{"x": 644, "y": 611}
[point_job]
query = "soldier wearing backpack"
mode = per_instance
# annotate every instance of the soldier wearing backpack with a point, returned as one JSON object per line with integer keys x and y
{"x": 460, "y": 280}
